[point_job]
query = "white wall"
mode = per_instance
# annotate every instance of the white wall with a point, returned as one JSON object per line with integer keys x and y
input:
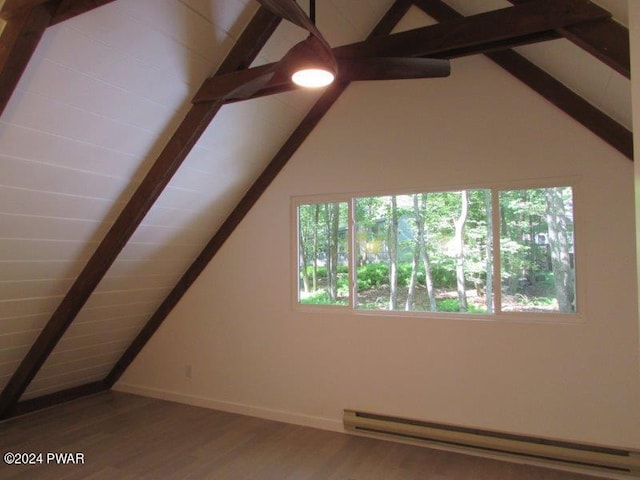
{"x": 251, "y": 352}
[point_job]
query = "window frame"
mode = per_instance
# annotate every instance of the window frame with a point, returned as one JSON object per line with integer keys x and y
{"x": 495, "y": 187}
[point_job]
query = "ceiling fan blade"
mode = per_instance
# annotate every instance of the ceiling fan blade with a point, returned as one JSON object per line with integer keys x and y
{"x": 238, "y": 85}
{"x": 392, "y": 68}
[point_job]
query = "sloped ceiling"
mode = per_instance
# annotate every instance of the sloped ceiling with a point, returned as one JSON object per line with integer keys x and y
{"x": 100, "y": 98}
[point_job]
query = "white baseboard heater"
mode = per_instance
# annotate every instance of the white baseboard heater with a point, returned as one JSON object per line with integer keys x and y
{"x": 469, "y": 440}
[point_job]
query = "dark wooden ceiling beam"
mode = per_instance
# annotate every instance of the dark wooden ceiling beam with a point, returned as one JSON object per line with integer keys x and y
{"x": 607, "y": 40}
{"x": 18, "y": 41}
{"x": 51, "y": 399}
{"x": 66, "y": 9}
{"x": 186, "y": 135}
{"x": 26, "y": 22}
{"x": 11, "y": 8}
{"x": 317, "y": 112}
{"x": 551, "y": 89}
{"x": 72, "y": 8}
{"x": 485, "y": 28}
{"x": 498, "y": 29}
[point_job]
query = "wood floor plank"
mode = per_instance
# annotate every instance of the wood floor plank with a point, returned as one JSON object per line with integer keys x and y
{"x": 129, "y": 437}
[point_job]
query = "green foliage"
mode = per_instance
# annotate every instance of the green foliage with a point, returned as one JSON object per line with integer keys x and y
{"x": 443, "y": 275}
{"x": 372, "y": 275}
{"x": 453, "y": 305}
{"x": 321, "y": 297}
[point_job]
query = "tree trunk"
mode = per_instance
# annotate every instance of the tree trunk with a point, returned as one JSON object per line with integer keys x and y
{"x": 303, "y": 263}
{"x": 316, "y": 222}
{"x": 415, "y": 261}
{"x": 559, "y": 245}
{"x": 333, "y": 220}
{"x": 459, "y": 224}
{"x": 489, "y": 252}
{"x": 418, "y": 210}
{"x": 393, "y": 255}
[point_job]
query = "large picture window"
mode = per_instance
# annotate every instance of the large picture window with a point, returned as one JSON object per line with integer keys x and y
{"x": 474, "y": 251}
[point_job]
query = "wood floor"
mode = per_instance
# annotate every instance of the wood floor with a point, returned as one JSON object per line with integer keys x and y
{"x": 127, "y": 437}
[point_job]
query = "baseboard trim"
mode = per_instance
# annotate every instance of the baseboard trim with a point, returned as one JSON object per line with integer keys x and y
{"x": 333, "y": 425}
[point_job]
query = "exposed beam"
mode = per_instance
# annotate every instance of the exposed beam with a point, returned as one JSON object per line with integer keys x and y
{"x": 566, "y": 100}
{"x": 66, "y": 10}
{"x": 186, "y": 135}
{"x": 72, "y": 8}
{"x": 26, "y": 22}
{"x": 551, "y": 89}
{"x": 18, "y": 41}
{"x": 11, "y": 8}
{"x": 498, "y": 29}
{"x": 317, "y": 112}
{"x": 63, "y": 396}
{"x": 607, "y": 40}
{"x": 509, "y": 23}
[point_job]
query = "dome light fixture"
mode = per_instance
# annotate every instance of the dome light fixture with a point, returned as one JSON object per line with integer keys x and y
{"x": 312, "y": 77}
{"x": 312, "y": 63}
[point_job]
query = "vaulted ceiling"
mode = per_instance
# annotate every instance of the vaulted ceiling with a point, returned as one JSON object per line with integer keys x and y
{"x": 116, "y": 190}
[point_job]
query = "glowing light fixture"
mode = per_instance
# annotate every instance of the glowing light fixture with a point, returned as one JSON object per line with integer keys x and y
{"x": 312, "y": 64}
{"x": 312, "y": 77}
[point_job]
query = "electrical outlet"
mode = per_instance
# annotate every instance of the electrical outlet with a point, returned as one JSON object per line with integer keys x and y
{"x": 188, "y": 371}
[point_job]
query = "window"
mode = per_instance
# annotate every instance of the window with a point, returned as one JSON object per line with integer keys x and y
{"x": 323, "y": 251}
{"x": 475, "y": 251}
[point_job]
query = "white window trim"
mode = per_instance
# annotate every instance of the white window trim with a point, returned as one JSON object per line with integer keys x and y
{"x": 556, "y": 318}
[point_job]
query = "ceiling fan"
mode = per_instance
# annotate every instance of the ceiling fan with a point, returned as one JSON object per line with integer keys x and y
{"x": 312, "y": 63}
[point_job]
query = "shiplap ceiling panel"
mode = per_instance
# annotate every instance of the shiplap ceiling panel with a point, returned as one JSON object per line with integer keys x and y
{"x": 28, "y": 306}
{"x": 95, "y": 95}
{"x": 176, "y": 218}
{"x": 33, "y": 289}
{"x": 19, "y": 249}
{"x": 21, "y": 201}
{"x": 18, "y": 324}
{"x": 165, "y": 250}
{"x": 229, "y": 16}
{"x": 43, "y": 113}
{"x": 131, "y": 310}
{"x": 21, "y": 142}
{"x": 21, "y": 270}
{"x": 123, "y": 297}
{"x": 12, "y": 355}
{"x": 164, "y": 234}
{"x": 51, "y": 228}
{"x": 37, "y": 176}
{"x": 19, "y": 339}
{"x": 113, "y": 282}
{"x": 45, "y": 384}
{"x": 86, "y": 352}
{"x": 180, "y": 200}
{"x": 572, "y": 66}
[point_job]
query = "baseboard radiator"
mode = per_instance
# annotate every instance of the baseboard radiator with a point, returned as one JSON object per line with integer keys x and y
{"x": 510, "y": 447}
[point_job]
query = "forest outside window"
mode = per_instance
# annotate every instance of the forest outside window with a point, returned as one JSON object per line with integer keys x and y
{"x": 475, "y": 251}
